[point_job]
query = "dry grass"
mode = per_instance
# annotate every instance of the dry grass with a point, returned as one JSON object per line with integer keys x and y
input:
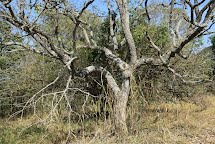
{"x": 164, "y": 122}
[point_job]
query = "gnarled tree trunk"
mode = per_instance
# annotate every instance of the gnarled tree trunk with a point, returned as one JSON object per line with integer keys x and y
{"x": 120, "y": 115}
{"x": 120, "y": 105}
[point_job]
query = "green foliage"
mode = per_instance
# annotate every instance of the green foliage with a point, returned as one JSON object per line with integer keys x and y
{"x": 30, "y": 75}
{"x": 212, "y": 64}
{"x": 104, "y": 33}
{"x": 213, "y": 40}
{"x": 37, "y": 8}
{"x": 19, "y": 134}
{"x": 159, "y": 34}
{"x": 96, "y": 56}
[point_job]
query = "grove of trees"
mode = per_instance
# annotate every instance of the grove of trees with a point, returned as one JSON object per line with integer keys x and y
{"x": 58, "y": 54}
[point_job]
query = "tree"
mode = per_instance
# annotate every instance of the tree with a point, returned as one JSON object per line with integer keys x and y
{"x": 27, "y": 17}
{"x": 213, "y": 53}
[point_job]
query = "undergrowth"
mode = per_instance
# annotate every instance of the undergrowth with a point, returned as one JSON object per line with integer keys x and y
{"x": 157, "y": 122}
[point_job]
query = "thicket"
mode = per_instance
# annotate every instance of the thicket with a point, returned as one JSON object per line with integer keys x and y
{"x": 23, "y": 74}
{"x": 47, "y": 87}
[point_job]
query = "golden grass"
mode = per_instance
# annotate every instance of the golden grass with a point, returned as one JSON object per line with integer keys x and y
{"x": 158, "y": 122}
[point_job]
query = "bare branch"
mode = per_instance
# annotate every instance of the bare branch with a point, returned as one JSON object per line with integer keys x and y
{"x": 124, "y": 13}
{"x": 147, "y": 60}
{"x": 77, "y": 22}
{"x": 188, "y": 81}
{"x": 208, "y": 5}
{"x": 25, "y": 48}
{"x": 111, "y": 81}
{"x": 108, "y": 53}
{"x": 112, "y": 19}
{"x": 198, "y": 26}
{"x": 147, "y": 12}
{"x": 28, "y": 103}
{"x": 84, "y": 8}
{"x": 206, "y": 31}
{"x": 41, "y": 37}
{"x": 196, "y": 4}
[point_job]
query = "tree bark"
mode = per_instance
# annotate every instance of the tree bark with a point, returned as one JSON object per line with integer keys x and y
{"x": 124, "y": 14}
{"x": 120, "y": 105}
